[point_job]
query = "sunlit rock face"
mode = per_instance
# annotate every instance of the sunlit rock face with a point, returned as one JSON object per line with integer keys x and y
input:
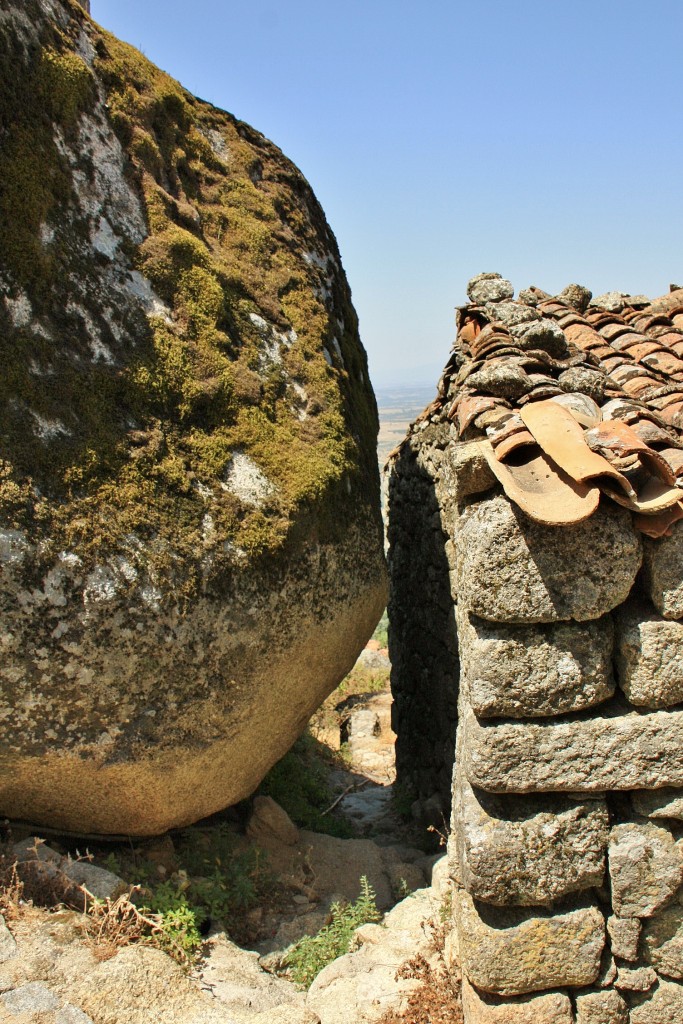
{"x": 190, "y": 538}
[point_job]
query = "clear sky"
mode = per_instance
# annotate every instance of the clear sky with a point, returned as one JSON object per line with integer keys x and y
{"x": 538, "y": 138}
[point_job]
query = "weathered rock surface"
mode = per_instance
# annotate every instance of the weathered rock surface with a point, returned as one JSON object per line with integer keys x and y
{"x": 489, "y": 288}
{"x": 663, "y": 1005}
{"x": 661, "y": 563}
{"x": 607, "y": 1007}
{"x": 42, "y": 866}
{"x": 527, "y": 851}
{"x": 649, "y": 656}
{"x": 190, "y": 539}
{"x": 624, "y": 936}
{"x": 321, "y": 865}
{"x": 238, "y": 983}
{"x": 8, "y": 947}
{"x": 465, "y": 470}
{"x": 510, "y": 952}
{"x": 56, "y": 974}
{"x": 658, "y": 803}
{"x": 510, "y": 569}
{"x": 362, "y": 985}
{"x": 31, "y": 998}
{"x": 616, "y": 749}
{"x": 270, "y": 822}
{"x": 422, "y": 634}
{"x": 482, "y": 1008}
{"x": 635, "y": 979}
{"x": 50, "y": 961}
{"x": 663, "y": 941}
{"x": 646, "y": 868}
{"x": 552, "y": 765}
{"x": 534, "y": 671}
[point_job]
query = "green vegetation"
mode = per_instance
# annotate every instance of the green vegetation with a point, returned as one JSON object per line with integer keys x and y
{"x": 299, "y": 783}
{"x": 362, "y": 680}
{"x": 215, "y": 254}
{"x": 314, "y": 952}
{"x": 65, "y": 84}
{"x": 229, "y": 223}
{"x": 178, "y": 922}
{"x": 224, "y": 879}
{"x": 218, "y": 879}
{"x": 403, "y": 797}
{"x": 381, "y": 634}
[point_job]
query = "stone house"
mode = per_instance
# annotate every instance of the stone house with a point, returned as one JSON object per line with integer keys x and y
{"x": 536, "y": 635}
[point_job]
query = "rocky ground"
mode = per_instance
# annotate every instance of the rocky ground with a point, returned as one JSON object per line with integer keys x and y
{"x": 57, "y": 968}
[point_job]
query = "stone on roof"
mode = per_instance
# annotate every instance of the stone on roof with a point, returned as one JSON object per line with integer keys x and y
{"x": 511, "y": 354}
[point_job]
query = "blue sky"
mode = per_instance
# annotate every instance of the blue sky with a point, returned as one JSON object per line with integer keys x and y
{"x": 539, "y": 139}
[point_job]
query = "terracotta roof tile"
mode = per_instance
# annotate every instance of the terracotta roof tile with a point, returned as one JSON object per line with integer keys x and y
{"x": 666, "y": 400}
{"x": 623, "y": 352}
{"x": 584, "y": 336}
{"x": 673, "y": 414}
{"x": 626, "y": 342}
{"x": 641, "y": 351}
{"x": 612, "y": 330}
{"x": 666, "y": 363}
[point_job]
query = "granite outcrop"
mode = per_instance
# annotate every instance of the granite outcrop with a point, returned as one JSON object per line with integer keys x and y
{"x": 191, "y": 551}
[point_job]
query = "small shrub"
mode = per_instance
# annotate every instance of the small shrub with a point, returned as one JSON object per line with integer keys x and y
{"x": 314, "y": 952}
{"x": 402, "y": 890}
{"x": 11, "y": 889}
{"x": 217, "y": 880}
{"x": 225, "y": 881}
{"x": 169, "y": 924}
{"x": 110, "y": 925}
{"x": 177, "y": 921}
{"x": 446, "y": 909}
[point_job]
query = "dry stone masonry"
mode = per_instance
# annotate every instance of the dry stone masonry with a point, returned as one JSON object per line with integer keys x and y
{"x": 536, "y": 553}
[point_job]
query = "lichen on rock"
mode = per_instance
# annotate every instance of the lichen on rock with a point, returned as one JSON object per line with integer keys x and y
{"x": 189, "y": 430}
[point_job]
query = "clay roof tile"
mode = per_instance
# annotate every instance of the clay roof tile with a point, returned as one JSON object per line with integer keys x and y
{"x": 623, "y": 352}
{"x": 614, "y": 329}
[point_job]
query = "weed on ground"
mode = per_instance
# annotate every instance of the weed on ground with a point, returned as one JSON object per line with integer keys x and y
{"x": 312, "y": 953}
{"x": 300, "y": 784}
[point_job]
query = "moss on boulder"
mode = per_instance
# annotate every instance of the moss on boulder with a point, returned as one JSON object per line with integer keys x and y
{"x": 188, "y": 480}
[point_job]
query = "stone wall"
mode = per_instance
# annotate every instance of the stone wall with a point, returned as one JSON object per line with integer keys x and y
{"x": 422, "y": 632}
{"x": 566, "y": 654}
{"x": 567, "y": 818}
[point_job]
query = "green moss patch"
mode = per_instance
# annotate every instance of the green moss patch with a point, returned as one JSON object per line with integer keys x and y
{"x": 136, "y": 444}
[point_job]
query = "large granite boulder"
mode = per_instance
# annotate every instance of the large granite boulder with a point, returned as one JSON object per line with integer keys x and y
{"x": 190, "y": 539}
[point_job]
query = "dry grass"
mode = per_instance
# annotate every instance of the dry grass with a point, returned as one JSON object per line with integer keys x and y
{"x": 436, "y": 999}
{"x": 33, "y": 882}
{"x": 11, "y": 890}
{"x": 111, "y": 925}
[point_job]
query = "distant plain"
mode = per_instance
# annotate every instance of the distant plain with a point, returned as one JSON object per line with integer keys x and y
{"x": 398, "y": 408}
